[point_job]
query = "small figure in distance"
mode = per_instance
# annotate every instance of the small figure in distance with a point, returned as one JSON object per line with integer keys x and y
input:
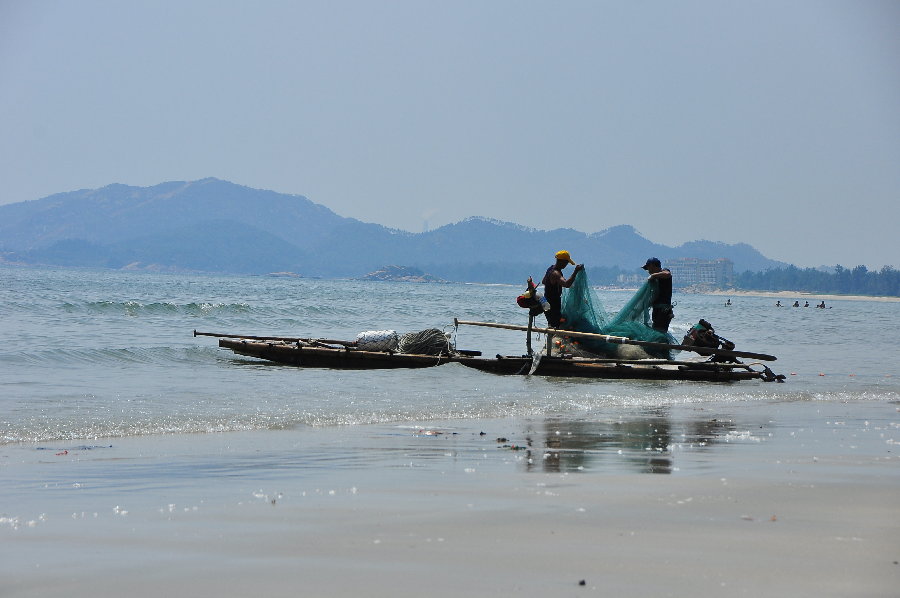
{"x": 554, "y": 281}
{"x": 728, "y": 303}
{"x": 821, "y": 305}
{"x": 807, "y": 304}
{"x": 778, "y": 303}
{"x": 796, "y": 304}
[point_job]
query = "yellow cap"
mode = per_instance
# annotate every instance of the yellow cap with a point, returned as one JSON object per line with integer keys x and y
{"x": 564, "y": 255}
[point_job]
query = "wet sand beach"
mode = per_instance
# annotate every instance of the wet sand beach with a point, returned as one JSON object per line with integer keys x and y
{"x": 791, "y": 498}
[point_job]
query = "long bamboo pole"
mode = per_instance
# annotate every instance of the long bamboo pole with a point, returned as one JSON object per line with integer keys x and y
{"x": 621, "y": 340}
{"x": 277, "y": 338}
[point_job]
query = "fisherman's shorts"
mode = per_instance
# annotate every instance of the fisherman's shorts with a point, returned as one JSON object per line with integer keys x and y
{"x": 661, "y": 316}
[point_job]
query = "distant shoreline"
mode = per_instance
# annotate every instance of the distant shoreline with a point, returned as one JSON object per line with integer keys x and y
{"x": 794, "y": 295}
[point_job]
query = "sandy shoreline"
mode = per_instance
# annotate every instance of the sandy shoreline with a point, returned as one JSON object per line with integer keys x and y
{"x": 533, "y": 537}
{"x": 780, "y": 499}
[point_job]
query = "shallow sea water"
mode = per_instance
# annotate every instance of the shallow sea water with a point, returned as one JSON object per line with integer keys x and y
{"x": 96, "y": 354}
{"x": 108, "y": 400}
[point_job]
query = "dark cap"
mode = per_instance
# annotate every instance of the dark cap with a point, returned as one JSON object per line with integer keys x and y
{"x": 653, "y": 261}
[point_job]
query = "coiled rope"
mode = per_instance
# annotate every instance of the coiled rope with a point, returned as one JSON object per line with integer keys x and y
{"x": 425, "y": 342}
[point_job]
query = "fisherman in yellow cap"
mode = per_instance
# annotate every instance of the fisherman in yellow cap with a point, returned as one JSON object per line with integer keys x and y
{"x": 554, "y": 281}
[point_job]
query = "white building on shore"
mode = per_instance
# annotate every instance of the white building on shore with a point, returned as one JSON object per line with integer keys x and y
{"x": 690, "y": 271}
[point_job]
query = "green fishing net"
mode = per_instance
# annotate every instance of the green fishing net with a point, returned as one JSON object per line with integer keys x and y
{"x": 583, "y": 312}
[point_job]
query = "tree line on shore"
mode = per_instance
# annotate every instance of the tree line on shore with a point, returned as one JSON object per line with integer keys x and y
{"x": 857, "y": 281}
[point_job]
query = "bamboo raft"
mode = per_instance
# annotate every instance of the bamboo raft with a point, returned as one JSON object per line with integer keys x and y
{"x": 643, "y": 369}
{"x": 326, "y": 353}
{"x": 713, "y": 370}
{"x": 345, "y": 355}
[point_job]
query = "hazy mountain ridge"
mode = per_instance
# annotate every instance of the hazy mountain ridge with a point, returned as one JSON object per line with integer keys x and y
{"x": 214, "y": 225}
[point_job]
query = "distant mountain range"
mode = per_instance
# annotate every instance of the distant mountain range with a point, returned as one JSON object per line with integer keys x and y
{"x": 217, "y": 226}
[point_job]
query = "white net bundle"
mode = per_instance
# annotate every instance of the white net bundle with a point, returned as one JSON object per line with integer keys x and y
{"x": 378, "y": 340}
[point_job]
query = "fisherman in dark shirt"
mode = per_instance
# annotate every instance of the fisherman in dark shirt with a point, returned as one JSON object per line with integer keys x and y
{"x": 554, "y": 281}
{"x": 661, "y": 302}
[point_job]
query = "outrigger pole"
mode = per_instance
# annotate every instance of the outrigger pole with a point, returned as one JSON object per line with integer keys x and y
{"x": 620, "y": 340}
{"x": 289, "y": 339}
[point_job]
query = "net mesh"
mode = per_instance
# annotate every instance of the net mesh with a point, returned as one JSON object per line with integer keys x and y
{"x": 584, "y": 312}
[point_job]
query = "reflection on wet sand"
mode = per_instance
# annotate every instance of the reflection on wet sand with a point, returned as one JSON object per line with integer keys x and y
{"x": 645, "y": 442}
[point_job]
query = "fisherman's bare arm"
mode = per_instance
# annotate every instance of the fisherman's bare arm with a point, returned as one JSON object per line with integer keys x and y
{"x": 571, "y": 280}
{"x": 554, "y": 277}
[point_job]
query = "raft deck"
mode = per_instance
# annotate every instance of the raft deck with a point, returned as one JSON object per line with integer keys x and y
{"x": 344, "y": 358}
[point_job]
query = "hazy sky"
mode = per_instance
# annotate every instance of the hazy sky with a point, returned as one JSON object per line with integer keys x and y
{"x": 771, "y": 123}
